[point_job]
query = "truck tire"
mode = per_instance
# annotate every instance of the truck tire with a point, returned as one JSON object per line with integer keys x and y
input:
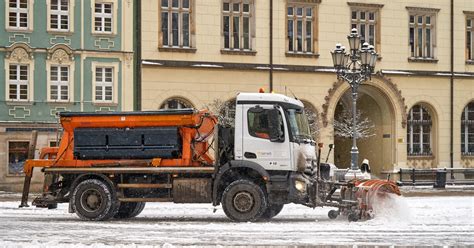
{"x": 272, "y": 211}
{"x": 92, "y": 199}
{"x": 129, "y": 210}
{"x": 244, "y": 201}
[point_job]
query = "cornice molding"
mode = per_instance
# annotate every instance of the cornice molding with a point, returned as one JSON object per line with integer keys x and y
{"x": 422, "y": 9}
{"x": 365, "y": 5}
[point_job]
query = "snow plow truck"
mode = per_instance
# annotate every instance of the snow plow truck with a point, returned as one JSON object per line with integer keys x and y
{"x": 108, "y": 165}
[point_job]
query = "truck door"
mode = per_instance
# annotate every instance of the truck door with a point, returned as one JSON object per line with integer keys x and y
{"x": 271, "y": 154}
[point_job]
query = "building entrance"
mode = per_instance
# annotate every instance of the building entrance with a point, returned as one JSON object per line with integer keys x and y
{"x": 379, "y": 149}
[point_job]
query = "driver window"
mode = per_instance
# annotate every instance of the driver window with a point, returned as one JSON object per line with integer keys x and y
{"x": 258, "y": 122}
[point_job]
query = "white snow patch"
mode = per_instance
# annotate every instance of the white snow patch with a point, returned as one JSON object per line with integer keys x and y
{"x": 413, "y": 221}
{"x": 150, "y": 63}
{"x": 207, "y": 65}
{"x": 396, "y": 72}
{"x": 325, "y": 70}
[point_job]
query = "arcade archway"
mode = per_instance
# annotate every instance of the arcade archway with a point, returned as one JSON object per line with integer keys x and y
{"x": 380, "y": 148}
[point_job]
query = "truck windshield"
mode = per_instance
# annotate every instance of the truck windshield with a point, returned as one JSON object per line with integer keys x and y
{"x": 298, "y": 125}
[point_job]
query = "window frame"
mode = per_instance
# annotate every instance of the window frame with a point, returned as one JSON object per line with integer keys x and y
{"x": 114, "y": 16}
{"x": 20, "y": 54}
{"x": 467, "y": 128}
{"x": 240, "y": 14}
{"x": 308, "y": 4}
{"x": 180, "y": 10}
{"x": 115, "y": 81}
{"x": 420, "y": 123}
{"x": 469, "y": 37}
{"x": 18, "y": 82}
{"x": 8, "y": 157}
{"x": 368, "y": 8}
{"x": 29, "y": 17}
{"x": 69, "y": 13}
{"x": 59, "y": 83}
{"x": 104, "y": 83}
{"x": 427, "y": 53}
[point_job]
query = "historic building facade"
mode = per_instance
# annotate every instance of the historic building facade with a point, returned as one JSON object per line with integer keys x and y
{"x": 193, "y": 52}
{"x": 59, "y": 55}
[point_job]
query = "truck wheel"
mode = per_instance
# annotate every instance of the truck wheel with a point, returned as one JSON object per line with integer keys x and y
{"x": 129, "y": 210}
{"x": 243, "y": 201}
{"x": 332, "y": 214}
{"x": 92, "y": 199}
{"x": 272, "y": 211}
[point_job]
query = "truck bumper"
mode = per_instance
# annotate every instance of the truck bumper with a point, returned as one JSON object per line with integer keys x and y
{"x": 301, "y": 189}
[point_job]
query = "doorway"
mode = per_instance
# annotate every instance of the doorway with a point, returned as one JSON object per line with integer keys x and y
{"x": 378, "y": 149}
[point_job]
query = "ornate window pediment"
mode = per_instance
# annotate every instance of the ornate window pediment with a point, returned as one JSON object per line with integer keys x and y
{"x": 60, "y": 54}
{"x": 19, "y": 53}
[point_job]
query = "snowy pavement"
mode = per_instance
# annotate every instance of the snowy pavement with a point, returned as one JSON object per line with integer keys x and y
{"x": 420, "y": 221}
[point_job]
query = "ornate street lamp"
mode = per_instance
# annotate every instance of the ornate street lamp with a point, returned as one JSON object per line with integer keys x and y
{"x": 354, "y": 67}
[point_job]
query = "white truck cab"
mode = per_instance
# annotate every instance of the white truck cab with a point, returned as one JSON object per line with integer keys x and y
{"x": 272, "y": 131}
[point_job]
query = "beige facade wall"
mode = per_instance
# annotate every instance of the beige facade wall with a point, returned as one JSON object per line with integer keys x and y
{"x": 404, "y": 83}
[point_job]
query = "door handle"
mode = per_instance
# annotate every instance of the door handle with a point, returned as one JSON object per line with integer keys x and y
{"x": 250, "y": 155}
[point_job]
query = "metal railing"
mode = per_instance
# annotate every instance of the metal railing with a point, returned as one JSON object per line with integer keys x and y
{"x": 454, "y": 176}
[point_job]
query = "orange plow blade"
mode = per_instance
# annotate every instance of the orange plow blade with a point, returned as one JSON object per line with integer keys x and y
{"x": 370, "y": 192}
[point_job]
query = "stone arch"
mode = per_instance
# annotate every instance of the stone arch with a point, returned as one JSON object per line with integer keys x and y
{"x": 388, "y": 98}
{"x": 379, "y": 81}
{"x": 465, "y": 103}
{"x": 380, "y": 146}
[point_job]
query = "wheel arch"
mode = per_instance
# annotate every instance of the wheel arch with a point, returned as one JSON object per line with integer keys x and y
{"x": 235, "y": 170}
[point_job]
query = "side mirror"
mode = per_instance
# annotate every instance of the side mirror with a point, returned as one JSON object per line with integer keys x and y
{"x": 275, "y": 126}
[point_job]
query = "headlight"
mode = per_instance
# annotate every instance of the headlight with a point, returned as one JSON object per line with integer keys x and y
{"x": 300, "y": 186}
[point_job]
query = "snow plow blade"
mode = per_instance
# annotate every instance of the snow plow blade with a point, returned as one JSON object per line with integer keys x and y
{"x": 372, "y": 194}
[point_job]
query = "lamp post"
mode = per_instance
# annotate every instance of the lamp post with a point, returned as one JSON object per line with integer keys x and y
{"x": 354, "y": 67}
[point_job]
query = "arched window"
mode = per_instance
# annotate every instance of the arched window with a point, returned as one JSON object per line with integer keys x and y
{"x": 419, "y": 132}
{"x": 176, "y": 103}
{"x": 467, "y": 130}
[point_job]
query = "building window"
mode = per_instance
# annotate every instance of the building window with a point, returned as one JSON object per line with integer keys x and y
{"x": 301, "y": 26}
{"x": 104, "y": 82}
{"x": 175, "y": 103}
{"x": 59, "y": 15}
{"x": 175, "y": 23}
{"x": 17, "y": 155}
{"x": 18, "y": 82}
{"x": 18, "y": 14}
{"x": 59, "y": 84}
{"x": 469, "y": 38}
{"x": 422, "y": 32}
{"x": 103, "y": 17}
{"x": 467, "y": 130}
{"x": 365, "y": 22}
{"x": 237, "y": 26}
{"x": 419, "y": 132}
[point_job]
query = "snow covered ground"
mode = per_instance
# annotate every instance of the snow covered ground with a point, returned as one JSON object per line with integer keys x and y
{"x": 420, "y": 221}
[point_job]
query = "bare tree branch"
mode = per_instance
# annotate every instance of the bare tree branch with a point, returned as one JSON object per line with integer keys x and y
{"x": 312, "y": 121}
{"x": 225, "y": 111}
{"x": 343, "y": 125}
